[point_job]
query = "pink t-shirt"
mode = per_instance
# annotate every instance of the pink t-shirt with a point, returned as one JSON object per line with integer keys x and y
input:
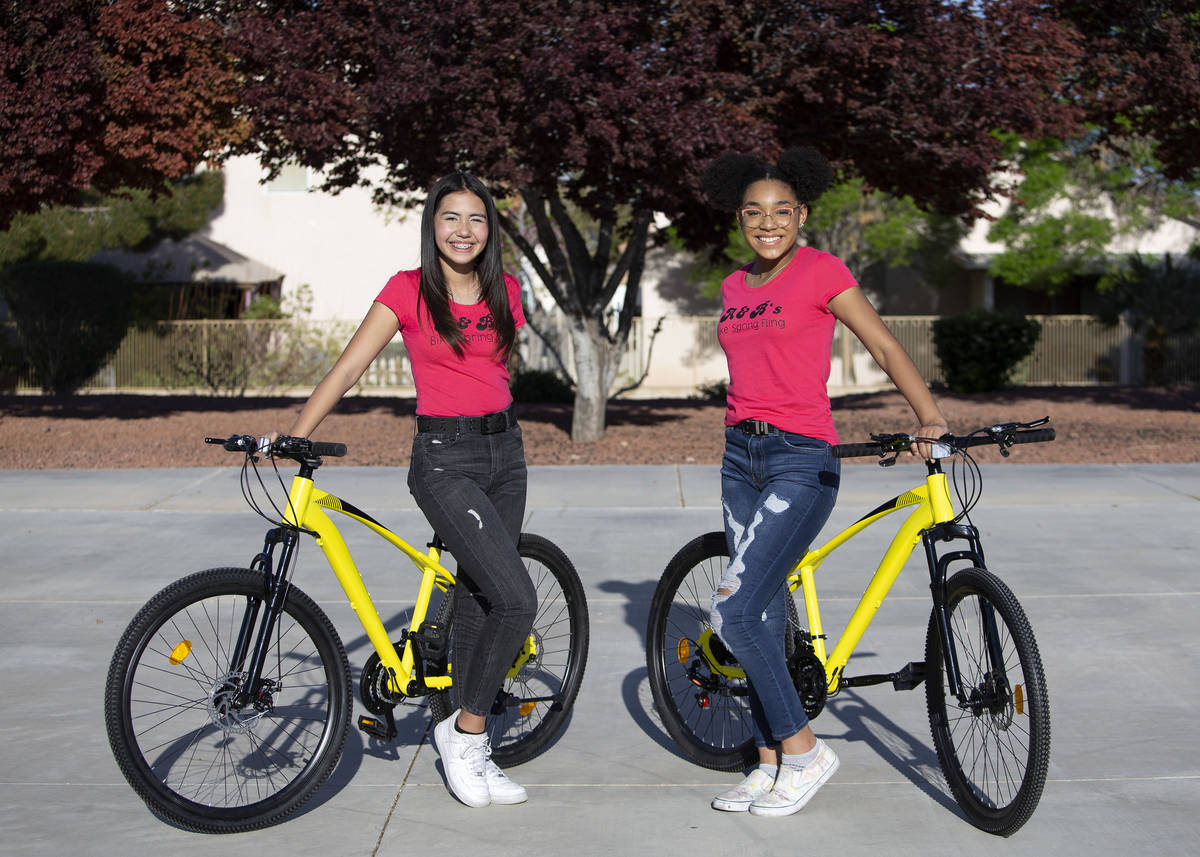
{"x": 448, "y": 385}
{"x": 777, "y": 339}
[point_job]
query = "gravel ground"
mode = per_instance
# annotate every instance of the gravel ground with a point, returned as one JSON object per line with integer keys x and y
{"x": 1094, "y": 425}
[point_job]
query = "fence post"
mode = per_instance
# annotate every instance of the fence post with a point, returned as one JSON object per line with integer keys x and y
{"x": 847, "y": 356}
{"x": 1125, "y": 372}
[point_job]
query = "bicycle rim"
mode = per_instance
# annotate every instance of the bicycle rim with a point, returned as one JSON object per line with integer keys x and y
{"x": 993, "y": 743}
{"x": 187, "y": 744}
{"x": 710, "y": 721}
{"x": 535, "y": 703}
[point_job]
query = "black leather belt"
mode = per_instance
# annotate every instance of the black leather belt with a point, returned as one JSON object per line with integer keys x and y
{"x": 487, "y": 424}
{"x": 756, "y": 427}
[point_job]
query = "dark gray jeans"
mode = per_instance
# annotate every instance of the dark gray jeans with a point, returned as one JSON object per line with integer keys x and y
{"x": 471, "y": 488}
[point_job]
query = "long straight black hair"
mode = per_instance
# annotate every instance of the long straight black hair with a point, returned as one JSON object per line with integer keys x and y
{"x": 488, "y": 268}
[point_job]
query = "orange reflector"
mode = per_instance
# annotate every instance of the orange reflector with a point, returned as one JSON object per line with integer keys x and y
{"x": 179, "y": 653}
{"x": 683, "y": 650}
{"x": 527, "y": 707}
{"x": 1019, "y": 699}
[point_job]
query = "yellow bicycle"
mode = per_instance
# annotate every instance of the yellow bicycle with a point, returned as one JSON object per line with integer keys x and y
{"x": 229, "y": 696}
{"x": 985, "y": 688}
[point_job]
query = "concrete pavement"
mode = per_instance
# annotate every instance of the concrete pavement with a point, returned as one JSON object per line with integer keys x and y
{"x": 1103, "y": 558}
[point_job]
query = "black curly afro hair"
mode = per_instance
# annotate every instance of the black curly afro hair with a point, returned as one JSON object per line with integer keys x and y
{"x": 802, "y": 168}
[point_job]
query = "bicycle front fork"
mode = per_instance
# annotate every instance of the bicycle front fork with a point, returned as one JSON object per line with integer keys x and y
{"x": 938, "y": 573}
{"x": 250, "y": 650}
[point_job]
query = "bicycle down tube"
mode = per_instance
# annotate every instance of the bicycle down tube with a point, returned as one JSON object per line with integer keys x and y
{"x": 933, "y": 506}
{"x": 308, "y": 500}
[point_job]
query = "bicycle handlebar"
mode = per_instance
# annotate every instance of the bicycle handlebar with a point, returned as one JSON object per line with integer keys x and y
{"x": 295, "y": 448}
{"x": 1003, "y": 435}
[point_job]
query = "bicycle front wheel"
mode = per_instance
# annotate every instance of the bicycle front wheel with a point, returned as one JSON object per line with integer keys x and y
{"x": 533, "y": 705}
{"x": 192, "y": 742}
{"x": 704, "y": 710}
{"x": 993, "y": 740}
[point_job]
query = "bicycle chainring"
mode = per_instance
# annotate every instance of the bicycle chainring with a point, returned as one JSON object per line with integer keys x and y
{"x": 808, "y": 676}
{"x": 373, "y": 688}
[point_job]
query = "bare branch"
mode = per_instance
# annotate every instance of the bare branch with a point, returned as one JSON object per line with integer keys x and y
{"x": 649, "y": 355}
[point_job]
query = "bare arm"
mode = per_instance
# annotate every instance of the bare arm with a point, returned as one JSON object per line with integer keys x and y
{"x": 852, "y": 309}
{"x": 376, "y": 331}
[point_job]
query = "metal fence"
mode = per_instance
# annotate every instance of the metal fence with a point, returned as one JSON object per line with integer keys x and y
{"x": 233, "y": 357}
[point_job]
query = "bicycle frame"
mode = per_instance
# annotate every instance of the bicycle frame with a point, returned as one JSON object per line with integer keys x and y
{"x": 306, "y": 512}
{"x": 306, "y": 505}
{"x": 931, "y": 520}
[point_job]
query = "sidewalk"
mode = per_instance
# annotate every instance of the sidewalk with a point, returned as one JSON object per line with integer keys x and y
{"x": 1103, "y": 558}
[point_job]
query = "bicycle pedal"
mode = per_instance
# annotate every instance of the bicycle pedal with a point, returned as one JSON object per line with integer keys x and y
{"x": 384, "y": 731}
{"x": 432, "y": 641}
{"x": 911, "y": 675}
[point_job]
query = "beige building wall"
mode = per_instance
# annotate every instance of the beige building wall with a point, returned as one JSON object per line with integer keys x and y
{"x": 343, "y": 246}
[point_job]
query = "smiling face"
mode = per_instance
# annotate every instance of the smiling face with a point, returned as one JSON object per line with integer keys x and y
{"x": 773, "y": 235}
{"x": 460, "y": 228}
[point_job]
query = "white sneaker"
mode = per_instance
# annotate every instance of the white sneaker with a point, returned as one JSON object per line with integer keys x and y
{"x": 464, "y": 758}
{"x": 500, "y": 787}
{"x": 794, "y": 787}
{"x": 738, "y": 799}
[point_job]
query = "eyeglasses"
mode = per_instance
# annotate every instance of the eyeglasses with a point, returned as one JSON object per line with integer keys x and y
{"x": 781, "y": 215}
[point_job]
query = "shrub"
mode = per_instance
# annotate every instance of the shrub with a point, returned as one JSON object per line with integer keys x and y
{"x": 716, "y": 391}
{"x": 70, "y": 317}
{"x": 542, "y": 386}
{"x": 980, "y": 349}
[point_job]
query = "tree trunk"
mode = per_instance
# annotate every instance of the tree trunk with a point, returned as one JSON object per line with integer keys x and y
{"x": 596, "y": 364}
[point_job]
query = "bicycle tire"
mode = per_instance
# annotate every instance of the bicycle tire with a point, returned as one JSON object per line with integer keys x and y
{"x": 713, "y": 729}
{"x": 197, "y": 761}
{"x": 561, "y": 631}
{"x": 994, "y": 747}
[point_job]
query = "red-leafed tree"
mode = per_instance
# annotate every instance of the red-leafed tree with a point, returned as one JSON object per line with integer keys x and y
{"x": 104, "y": 95}
{"x": 596, "y": 115}
{"x": 1140, "y": 75}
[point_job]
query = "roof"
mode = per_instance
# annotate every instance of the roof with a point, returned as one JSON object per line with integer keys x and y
{"x": 193, "y": 259}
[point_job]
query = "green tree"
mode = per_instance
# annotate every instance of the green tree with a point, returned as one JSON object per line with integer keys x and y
{"x": 1160, "y": 300}
{"x": 129, "y": 219}
{"x": 70, "y": 317}
{"x": 1074, "y": 198}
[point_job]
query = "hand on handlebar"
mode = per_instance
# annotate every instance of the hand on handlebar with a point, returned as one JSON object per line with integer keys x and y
{"x": 925, "y": 448}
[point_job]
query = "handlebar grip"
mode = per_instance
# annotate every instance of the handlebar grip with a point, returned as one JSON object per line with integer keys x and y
{"x": 855, "y": 450}
{"x": 335, "y": 450}
{"x": 1034, "y": 436}
{"x": 1020, "y": 436}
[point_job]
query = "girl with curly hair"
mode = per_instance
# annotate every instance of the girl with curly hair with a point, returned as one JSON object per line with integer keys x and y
{"x": 779, "y": 478}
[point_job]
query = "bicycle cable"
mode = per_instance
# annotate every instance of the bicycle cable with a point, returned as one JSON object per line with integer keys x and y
{"x": 967, "y": 478}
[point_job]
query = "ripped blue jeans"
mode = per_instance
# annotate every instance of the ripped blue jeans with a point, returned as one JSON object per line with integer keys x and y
{"x": 777, "y": 491}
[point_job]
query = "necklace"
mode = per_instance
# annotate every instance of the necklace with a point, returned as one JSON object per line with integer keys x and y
{"x": 764, "y": 279}
{"x": 466, "y": 294}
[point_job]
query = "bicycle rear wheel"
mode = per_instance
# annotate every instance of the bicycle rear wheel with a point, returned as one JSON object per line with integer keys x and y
{"x": 706, "y": 712}
{"x": 533, "y": 705}
{"x": 190, "y": 747}
{"x": 993, "y": 742}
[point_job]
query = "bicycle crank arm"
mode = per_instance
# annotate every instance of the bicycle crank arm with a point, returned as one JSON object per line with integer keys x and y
{"x": 907, "y": 678}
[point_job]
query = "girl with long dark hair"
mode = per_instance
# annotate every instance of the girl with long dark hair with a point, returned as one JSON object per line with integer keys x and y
{"x": 458, "y": 315}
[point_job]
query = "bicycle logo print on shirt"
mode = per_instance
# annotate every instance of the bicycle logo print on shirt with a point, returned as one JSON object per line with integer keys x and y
{"x": 486, "y": 327}
{"x": 751, "y": 317}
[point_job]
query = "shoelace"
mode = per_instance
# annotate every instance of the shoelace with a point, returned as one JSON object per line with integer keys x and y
{"x": 477, "y": 755}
